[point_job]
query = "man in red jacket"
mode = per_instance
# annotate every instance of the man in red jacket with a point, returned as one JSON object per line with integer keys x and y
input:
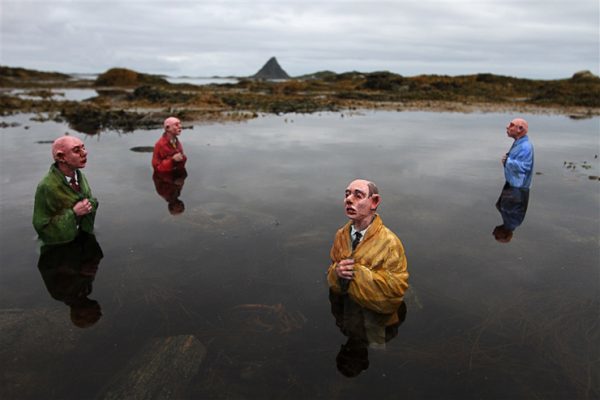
{"x": 168, "y": 152}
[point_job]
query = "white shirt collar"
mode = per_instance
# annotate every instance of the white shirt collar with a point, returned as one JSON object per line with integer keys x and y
{"x": 74, "y": 177}
{"x": 362, "y": 233}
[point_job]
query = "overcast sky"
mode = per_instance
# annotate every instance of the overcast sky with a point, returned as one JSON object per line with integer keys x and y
{"x": 544, "y": 39}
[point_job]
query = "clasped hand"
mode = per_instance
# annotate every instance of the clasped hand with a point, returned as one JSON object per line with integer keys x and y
{"x": 345, "y": 269}
{"x": 178, "y": 157}
{"x": 82, "y": 207}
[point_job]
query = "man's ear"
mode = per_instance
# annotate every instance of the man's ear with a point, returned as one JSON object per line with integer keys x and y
{"x": 375, "y": 200}
{"x": 59, "y": 156}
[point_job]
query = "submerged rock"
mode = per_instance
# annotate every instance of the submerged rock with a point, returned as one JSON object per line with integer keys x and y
{"x": 9, "y": 125}
{"x": 162, "y": 369}
{"x": 29, "y": 338}
{"x": 91, "y": 120}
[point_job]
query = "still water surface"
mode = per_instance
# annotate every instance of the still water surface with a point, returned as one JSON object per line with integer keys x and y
{"x": 195, "y": 80}
{"x": 201, "y": 80}
{"x": 242, "y": 269}
{"x": 56, "y": 94}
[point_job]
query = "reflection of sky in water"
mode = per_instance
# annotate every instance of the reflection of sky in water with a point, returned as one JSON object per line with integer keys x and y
{"x": 262, "y": 203}
{"x": 200, "y": 81}
{"x": 58, "y": 94}
{"x": 194, "y": 80}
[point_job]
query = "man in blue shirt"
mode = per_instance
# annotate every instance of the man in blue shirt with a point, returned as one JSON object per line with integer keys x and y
{"x": 518, "y": 162}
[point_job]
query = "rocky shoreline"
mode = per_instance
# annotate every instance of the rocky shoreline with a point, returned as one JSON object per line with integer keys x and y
{"x": 126, "y": 100}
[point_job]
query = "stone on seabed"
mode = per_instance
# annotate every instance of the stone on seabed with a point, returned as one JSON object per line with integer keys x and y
{"x": 161, "y": 370}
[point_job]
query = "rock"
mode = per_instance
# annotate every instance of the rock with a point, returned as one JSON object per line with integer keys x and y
{"x": 584, "y": 75}
{"x": 90, "y": 119}
{"x": 163, "y": 369}
{"x": 122, "y": 77}
{"x": 271, "y": 70}
{"x": 158, "y": 95}
{"x": 8, "y": 125}
{"x": 10, "y": 75}
{"x": 42, "y": 335}
{"x": 142, "y": 149}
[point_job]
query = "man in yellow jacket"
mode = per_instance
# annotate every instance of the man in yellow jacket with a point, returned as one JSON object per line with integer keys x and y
{"x": 368, "y": 261}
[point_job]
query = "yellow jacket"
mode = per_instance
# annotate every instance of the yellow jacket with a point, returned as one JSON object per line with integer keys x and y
{"x": 380, "y": 274}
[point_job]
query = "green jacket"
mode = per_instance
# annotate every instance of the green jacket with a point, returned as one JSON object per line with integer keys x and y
{"x": 53, "y": 217}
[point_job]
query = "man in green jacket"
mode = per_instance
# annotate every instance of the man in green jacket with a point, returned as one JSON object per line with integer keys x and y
{"x": 63, "y": 199}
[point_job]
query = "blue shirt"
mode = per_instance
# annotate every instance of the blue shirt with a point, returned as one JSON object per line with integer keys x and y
{"x": 518, "y": 168}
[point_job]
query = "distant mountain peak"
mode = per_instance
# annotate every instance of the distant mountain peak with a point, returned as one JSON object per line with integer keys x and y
{"x": 271, "y": 70}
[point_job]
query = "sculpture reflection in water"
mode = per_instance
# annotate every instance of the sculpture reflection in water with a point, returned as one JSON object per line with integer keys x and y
{"x": 512, "y": 205}
{"x": 169, "y": 185}
{"x": 364, "y": 328}
{"x": 68, "y": 271}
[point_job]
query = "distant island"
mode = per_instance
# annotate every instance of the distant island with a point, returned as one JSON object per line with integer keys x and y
{"x": 127, "y": 100}
{"x": 271, "y": 70}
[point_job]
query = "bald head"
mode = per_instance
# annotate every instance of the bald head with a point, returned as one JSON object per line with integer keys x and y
{"x": 63, "y": 144}
{"x": 170, "y": 121}
{"x": 172, "y": 126}
{"x": 69, "y": 154}
{"x": 517, "y": 128}
{"x": 521, "y": 123}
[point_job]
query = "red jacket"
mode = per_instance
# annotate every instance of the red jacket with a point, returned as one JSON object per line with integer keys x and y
{"x": 162, "y": 159}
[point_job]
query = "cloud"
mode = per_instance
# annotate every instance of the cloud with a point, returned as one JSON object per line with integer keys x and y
{"x": 538, "y": 39}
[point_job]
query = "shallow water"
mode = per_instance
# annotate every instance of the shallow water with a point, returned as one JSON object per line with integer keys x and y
{"x": 242, "y": 269}
{"x": 200, "y": 80}
{"x": 194, "y": 80}
{"x": 57, "y": 94}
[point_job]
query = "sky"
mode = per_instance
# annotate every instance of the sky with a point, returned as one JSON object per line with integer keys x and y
{"x": 537, "y": 39}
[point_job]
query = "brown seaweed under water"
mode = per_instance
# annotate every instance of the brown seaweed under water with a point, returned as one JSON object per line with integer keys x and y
{"x": 489, "y": 349}
{"x": 551, "y": 334}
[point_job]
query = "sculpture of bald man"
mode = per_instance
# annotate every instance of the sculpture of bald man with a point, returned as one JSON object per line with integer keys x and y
{"x": 168, "y": 152}
{"x": 64, "y": 204}
{"x": 367, "y": 259}
{"x": 518, "y": 162}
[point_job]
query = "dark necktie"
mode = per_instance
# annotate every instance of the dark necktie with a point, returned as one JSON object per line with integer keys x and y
{"x": 75, "y": 185}
{"x": 344, "y": 283}
{"x": 356, "y": 240}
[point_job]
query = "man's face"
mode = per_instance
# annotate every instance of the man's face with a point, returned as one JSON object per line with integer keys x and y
{"x": 73, "y": 153}
{"x": 515, "y": 129}
{"x": 357, "y": 203}
{"x": 173, "y": 126}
